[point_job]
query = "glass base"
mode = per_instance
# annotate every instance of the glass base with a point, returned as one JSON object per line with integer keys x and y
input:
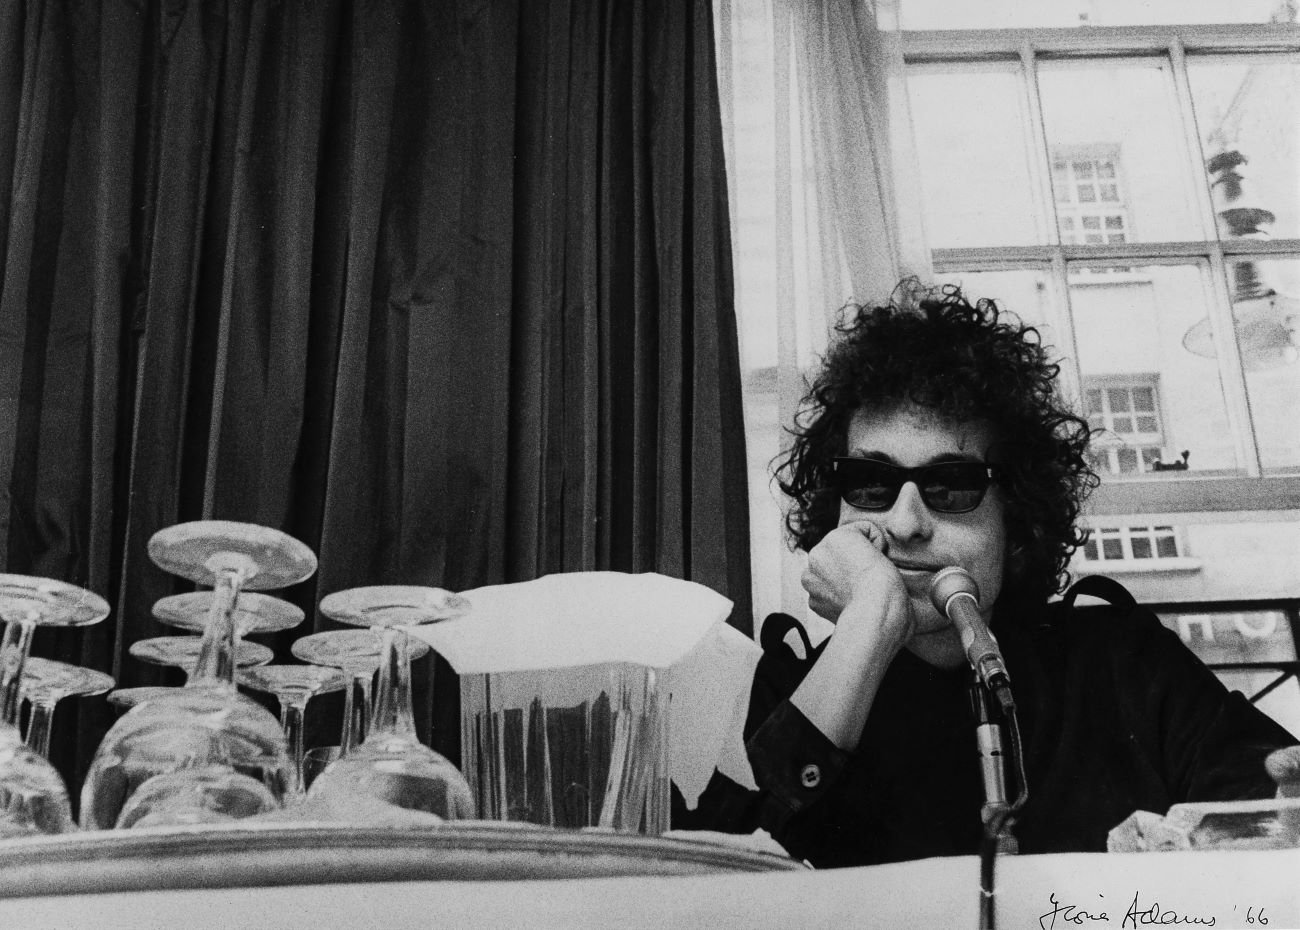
{"x": 33, "y": 799}
{"x": 401, "y": 772}
{"x": 208, "y": 794}
{"x": 190, "y": 728}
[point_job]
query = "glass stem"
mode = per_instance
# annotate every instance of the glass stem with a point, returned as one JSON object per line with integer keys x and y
{"x": 362, "y": 713}
{"x": 13, "y": 656}
{"x": 348, "y": 736}
{"x": 38, "y": 728}
{"x": 392, "y": 714}
{"x": 216, "y": 660}
{"x": 292, "y": 708}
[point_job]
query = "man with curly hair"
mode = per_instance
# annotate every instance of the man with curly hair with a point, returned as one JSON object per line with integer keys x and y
{"x": 933, "y": 437}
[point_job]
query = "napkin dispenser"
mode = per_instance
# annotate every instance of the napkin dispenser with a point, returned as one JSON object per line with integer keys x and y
{"x": 584, "y": 694}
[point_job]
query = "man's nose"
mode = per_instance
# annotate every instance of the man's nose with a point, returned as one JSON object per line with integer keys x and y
{"x": 909, "y": 518}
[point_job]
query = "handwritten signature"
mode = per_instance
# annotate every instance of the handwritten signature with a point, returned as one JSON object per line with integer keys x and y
{"x": 1136, "y": 916}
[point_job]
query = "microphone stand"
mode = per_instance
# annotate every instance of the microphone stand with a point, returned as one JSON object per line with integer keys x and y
{"x": 997, "y": 815}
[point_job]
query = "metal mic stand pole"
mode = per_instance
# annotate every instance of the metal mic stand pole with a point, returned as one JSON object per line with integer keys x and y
{"x": 996, "y": 812}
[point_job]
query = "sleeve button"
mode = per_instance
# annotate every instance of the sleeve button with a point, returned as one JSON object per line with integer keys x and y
{"x": 811, "y": 776}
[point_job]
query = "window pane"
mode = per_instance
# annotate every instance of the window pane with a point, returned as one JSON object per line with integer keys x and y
{"x": 1141, "y": 546}
{"x": 1011, "y": 14}
{"x": 1167, "y": 547}
{"x": 1127, "y": 115}
{"x": 1267, "y": 329}
{"x": 1130, "y": 328}
{"x": 1022, "y": 292}
{"x": 1112, "y": 549}
{"x": 973, "y": 194}
{"x": 1246, "y": 116}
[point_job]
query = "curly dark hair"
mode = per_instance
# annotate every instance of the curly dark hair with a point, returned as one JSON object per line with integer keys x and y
{"x": 932, "y": 348}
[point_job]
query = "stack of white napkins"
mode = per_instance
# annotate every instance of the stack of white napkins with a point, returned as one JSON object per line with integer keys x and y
{"x": 594, "y": 618}
{"x": 1271, "y": 823}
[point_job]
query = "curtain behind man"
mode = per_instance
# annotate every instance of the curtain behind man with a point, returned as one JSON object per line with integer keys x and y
{"x": 442, "y": 289}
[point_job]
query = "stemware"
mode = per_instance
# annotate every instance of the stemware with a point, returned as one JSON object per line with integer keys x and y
{"x": 392, "y": 764}
{"x": 254, "y": 613}
{"x": 196, "y": 754}
{"x": 45, "y": 683}
{"x": 293, "y": 686}
{"x": 33, "y": 798}
{"x": 357, "y": 653}
{"x": 182, "y": 652}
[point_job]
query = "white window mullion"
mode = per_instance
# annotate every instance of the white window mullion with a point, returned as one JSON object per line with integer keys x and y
{"x": 1040, "y": 171}
{"x": 1040, "y": 164}
{"x": 1192, "y": 140}
{"x": 1071, "y": 376}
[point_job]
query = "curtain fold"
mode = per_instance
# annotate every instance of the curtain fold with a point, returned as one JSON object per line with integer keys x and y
{"x": 824, "y": 213}
{"x": 442, "y": 289}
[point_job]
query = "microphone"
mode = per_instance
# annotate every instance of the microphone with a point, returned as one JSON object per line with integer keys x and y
{"x": 955, "y": 594}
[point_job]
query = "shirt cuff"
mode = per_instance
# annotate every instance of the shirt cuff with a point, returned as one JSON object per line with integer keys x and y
{"x": 793, "y": 760}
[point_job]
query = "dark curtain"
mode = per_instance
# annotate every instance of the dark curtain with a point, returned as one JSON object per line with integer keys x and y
{"x": 443, "y": 289}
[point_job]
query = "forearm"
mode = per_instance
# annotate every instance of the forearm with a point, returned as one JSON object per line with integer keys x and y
{"x": 837, "y": 693}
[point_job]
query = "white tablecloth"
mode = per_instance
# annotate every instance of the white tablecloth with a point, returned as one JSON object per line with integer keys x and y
{"x": 1221, "y": 889}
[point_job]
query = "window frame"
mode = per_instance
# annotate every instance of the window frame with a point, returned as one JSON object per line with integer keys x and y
{"x": 1155, "y": 493}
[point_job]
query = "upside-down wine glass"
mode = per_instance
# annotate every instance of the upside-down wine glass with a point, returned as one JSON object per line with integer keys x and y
{"x": 205, "y": 752}
{"x": 392, "y": 764}
{"x": 357, "y": 653}
{"x": 254, "y": 613}
{"x": 183, "y": 652}
{"x": 33, "y": 798}
{"x": 45, "y": 683}
{"x": 293, "y": 686}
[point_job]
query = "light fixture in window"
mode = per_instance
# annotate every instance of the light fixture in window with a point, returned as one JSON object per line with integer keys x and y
{"x": 1265, "y": 321}
{"x": 1266, "y": 332}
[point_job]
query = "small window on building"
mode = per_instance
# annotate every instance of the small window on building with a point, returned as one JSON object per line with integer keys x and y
{"x": 1131, "y": 544}
{"x": 1090, "y": 203}
{"x": 1128, "y": 438}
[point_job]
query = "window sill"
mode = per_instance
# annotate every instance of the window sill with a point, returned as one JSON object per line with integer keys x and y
{"x": 1108, "y": 279}
{"x": 1173, "y": 493}
{"x": 1138, "y": 566}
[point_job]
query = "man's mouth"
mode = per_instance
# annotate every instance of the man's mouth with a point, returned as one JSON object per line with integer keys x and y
{"x": 909, "y": 565}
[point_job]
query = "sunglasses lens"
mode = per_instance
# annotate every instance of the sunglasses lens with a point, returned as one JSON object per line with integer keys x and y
{"x": 869, "y": 485}
{"x": 954, "y": 488}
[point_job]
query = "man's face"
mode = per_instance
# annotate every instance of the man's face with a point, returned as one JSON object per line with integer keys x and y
{"x": 922, "y": 541}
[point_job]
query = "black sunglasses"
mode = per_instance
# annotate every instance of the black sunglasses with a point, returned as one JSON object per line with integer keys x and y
{"x": 946, "y": 487}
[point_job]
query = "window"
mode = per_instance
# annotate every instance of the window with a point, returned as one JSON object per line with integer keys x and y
{"x": 1089, "y": 205}
{"x": 1131, "y": 543}
{"x": 1128, "y": 439}
{"x": 1167, "y": 152}
{"x": 1132, "y": 189}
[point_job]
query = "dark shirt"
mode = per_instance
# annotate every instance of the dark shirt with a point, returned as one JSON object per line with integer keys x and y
{"x": 1116, "y": 714}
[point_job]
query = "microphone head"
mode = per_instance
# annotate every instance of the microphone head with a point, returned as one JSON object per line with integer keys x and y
{"x": 949, "y": 582}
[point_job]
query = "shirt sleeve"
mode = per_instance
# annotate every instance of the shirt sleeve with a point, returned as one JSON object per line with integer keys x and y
{"x": 793, "y": 762}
